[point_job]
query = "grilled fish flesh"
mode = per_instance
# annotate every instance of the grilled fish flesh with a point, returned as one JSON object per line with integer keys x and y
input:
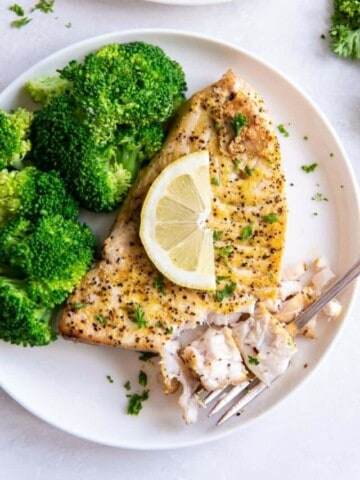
{"x": 248, "y": 219}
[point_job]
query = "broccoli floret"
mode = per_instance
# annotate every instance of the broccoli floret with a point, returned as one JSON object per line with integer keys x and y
{"x": 14, "y": 137}
{"x": 52, "y": 255}
{"x": 22, "y": 321}
{"x": 33, "y": 194}
{"x": 133, "y": 84}
{"x": 345, "y": 31}
{"x": 44, "y": 89}
{"x": 98, "y": 175}
{"x": 109, "y": 122}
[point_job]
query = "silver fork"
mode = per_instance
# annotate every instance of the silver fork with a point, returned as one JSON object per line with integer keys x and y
{"x": 246, "y": 391}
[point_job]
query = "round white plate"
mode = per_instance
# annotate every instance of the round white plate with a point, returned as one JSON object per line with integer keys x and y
{"x": 65, "y": 383}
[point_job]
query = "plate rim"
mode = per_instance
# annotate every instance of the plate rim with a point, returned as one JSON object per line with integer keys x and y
{"x": 352, "y": 290}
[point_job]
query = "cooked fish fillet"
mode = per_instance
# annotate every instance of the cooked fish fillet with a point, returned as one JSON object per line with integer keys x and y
{"x": 251, "y": 186}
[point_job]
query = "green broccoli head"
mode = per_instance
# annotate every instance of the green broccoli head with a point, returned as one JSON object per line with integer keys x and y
{"x": 44, "y": 89}
{"x": 33, "y": 194}
{"x": 14, "y": 137}
{"x": 52, "y": 255}
{"x": 129, "y": 84}
{"x": 98, "y": 175}
{"x": 22, "y": 321}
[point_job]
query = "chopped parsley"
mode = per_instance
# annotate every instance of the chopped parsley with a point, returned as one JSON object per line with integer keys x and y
{"x": 283, "y": 130}
{"x": 21, "y": 22}
{"x": 248, "y": 171}
{"x": 271, "y": 218}
{"x": 45, "y": 6}
{"x": 226, "y": 251}
{"x": 236, "y": 163}
{"x": 145, "y": 356}
{"x": 101, "y": 319}
{"x": 306, "y": 137}
{"x": 135, "y": 402}
{"x": 127, "y": 385}
{"x": 215, "y": 181}
{"x": 247, "y": 231}
{"x": 309, "y": 168}
{"x": 322, "y": 36}
{"x": 217, "y": 127}
{"x": 319, "y": 197}
{"x": 315, "y": 214}
{"x": 229, "y": 288}
{"x": 143, "y": 379}
{"x": 68, "y": 25}
{"x": 139, "y": 317}
{"x": 220, "y": 278}
{"x": 159, "y": 324}
{"x": 78, "y": 305}
{"x": 253, "y": 360}
{"x": 238, "y": 122}
{"x": 169, "y": 331}
{"x": 159, "y": 283}
{"x": 217, "y": 235}
{"x": 109, "y": 378}
{"x": 17, "y": 9}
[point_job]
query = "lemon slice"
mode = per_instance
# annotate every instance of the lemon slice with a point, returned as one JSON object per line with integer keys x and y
{"x": 173, "y": 223}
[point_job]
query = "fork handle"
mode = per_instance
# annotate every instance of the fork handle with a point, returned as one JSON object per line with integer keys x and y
{"x": 337, "y": 287}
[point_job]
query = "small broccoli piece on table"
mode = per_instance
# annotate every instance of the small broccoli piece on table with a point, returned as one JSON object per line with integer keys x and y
{"x": 109, "y": 122}
{"x": 33, "y": 194}
{"x": 43, "y": 90}
{"x": 22, "y": 321}
{"x": 14, "y": 137}
{"x": 52, "y": 255}
{"x": 345, "y": 31}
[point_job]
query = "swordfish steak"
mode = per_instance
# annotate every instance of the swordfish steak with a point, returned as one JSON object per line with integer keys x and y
{"x": 248, "y": 219}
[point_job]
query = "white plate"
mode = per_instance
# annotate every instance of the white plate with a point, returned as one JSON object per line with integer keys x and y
{"x": 65, "y": 384}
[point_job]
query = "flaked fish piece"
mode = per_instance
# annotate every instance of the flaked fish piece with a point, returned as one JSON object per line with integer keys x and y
{"x": 249, "y": 186}
{"x": 215, "y": 359}
{"x": 266, "y": 346}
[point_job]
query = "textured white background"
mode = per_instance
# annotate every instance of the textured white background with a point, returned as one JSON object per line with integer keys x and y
{"x": 316, "y": 432}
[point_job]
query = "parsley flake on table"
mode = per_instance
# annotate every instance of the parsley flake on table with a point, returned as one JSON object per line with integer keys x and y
{"x": 21, "y": 22}
{"x": 127, "y": 385}
{"x": 45, "y": 6}
{"x": 309, "y": 168}
{"x": 139, "y": 317}
{"x": 238, "y": 122}
{"x": 135, "y": 402}
{"x": 17, "y": 9}
{"x": 283, "y": 130}
{"x": 109, "y": 378}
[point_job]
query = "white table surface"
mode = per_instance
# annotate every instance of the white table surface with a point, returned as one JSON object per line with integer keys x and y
{"x": 316, "y": 432}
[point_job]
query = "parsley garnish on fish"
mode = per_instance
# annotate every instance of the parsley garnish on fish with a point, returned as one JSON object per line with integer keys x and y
{"x": 309, "y": 168}
{"x": 215, "y": 181}
{"x": 109, "y": 378}
{"x": 217, "y": 235}
{"x": 101, "y": 319}
{"x": 220, "y": 278}
{"x": 127, "y": 385}
{"x": 17, "y": 9}
{"x": 159, "y": 283}
{"x": 145, "y": 356}
{"x": 21, "y": 22}
{"x": 248, "y": 171}
{"x": 226, "y": 251}
{"x": 271, "y": 218}
{"x": 253, "y": 360}
{"x": 78, "y": 305}
{"x": 236, "y": 163}
{"x": 283, "y": 130}
{"x": 246, "y": 232}
{"x": 135, "y": 402}
{"x": 220, "y": 295}
{"x": 142, "y": 379}
{"x": 238, "y": 122}
{"x": 169, "y": 330}
{"x": 139, "y": 317}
